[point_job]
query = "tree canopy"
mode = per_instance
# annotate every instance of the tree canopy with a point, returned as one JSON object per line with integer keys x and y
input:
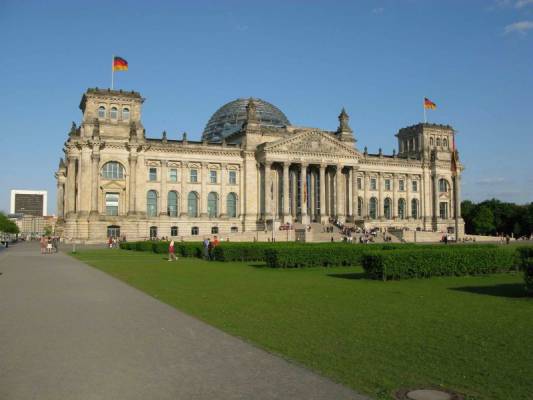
{"x": 7, "y": 226}
{"x": 494, "y": 216}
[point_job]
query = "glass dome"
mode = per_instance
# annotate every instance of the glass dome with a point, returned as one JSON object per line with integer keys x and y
{"x": 230, "y": 117}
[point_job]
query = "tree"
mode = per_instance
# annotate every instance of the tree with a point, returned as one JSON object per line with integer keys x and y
{"x": 483, "y": 221}
{"x": 7, "y": 226}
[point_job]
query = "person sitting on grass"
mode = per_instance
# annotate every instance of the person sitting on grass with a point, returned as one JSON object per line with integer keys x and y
{"x": 171, "y": 251}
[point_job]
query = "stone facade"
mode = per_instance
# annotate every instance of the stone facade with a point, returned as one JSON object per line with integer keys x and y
{"x": 115, "y": 180}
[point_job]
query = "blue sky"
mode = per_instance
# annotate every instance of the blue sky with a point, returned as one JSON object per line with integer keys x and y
{"x": 310, "y": 58}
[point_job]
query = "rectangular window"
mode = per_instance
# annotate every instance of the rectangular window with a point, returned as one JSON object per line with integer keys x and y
{"x": 173, "y": 175}
{"x": 152, "y": 174}
{"x": 401, "y": 185}
{"x": 213, "y": 176}
{"x": 443, "y": 210}
{"x": 415, "y": 186}
{"x": 373, "y": 184}
{"x": 232, "y": 178}
{"x": 194, "y": 175}
{"x": 359, "y": 184}
{"x": 387, "y": 184}
{"x": 111, "y": 203}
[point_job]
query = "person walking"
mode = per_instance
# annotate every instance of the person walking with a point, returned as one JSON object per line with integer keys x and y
{"x": 206, "y": 248}
{"x": 43, "y": 244}
{"x": 49, "y": 245}
{"x": 171, "y": 251}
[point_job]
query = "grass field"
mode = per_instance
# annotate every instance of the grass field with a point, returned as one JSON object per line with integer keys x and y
{"x": 470, "y": 334}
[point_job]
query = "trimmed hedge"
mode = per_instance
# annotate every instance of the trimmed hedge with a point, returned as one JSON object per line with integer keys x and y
{"x": 184, "y": 249}
{"x": 323, "y": 254}
{"x": 526, "y": 262}
{"x": 443, "y": 261}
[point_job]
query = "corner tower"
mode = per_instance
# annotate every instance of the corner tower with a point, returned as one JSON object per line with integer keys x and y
{"x": 111, "y": 114}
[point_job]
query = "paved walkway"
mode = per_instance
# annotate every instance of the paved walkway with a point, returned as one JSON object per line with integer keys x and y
{"x": 69, "y": 331}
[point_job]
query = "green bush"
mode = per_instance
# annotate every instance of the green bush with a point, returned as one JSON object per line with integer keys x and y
{"x": 184, "y": 249}
{"x": 444, "y": 261}
{"x": 526, "y": 262}
{"x": 322, "y": 254}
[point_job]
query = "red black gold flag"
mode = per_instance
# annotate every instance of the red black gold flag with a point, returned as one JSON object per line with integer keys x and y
{"x": 428, "y": 104}
{"x": 119, "y": 64}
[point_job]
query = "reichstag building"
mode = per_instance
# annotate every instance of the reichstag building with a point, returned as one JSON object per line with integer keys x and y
{"x": 253, "y": 171}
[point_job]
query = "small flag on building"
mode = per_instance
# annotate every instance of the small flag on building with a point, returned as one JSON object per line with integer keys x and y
{"x": 428, "y": 104}
{"x": 119, "y": 64}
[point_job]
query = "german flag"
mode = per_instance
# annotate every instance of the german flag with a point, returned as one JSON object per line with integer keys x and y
{"x": 428, "y": 104}
{"x": 119, "y": 64}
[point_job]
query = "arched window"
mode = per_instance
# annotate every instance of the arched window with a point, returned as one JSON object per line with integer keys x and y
{"x": 151, "y": 203}
{"x": 444, "y": 143}
{"x": 231, "y": 205}
{"x": 401, "y": 208}
{"x": 112, "y": 170}
{"x": 195, "y": 231}
{"x": 387, "y": 208}
{"x": 414, "y": 208}
{"x": 192, "y": 204}
{"x": 114, "y": 113}
{"x": 172, "y": 203}
{"x": 438, "y": 142}
{"x": 101, "y": 112}
{"x": 373, "y": 208}
{"x": 212, "y": 205}
{"x": 359, "y": 206}
{"x": 125, "y": 114}
{"x": 443, "y": 185}
{"x": 431, "y": 142}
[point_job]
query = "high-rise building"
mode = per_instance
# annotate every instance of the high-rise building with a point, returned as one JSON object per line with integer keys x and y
{"x": 29, "y": 202}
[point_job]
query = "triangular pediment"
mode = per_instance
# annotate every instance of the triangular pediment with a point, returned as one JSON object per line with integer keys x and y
{"x": 113, "y": 185}
{"x": 316, "y": 142}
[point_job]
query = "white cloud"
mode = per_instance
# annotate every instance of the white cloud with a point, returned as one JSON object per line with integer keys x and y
{"x": 519, "y": 27}
{"x": 523, "y": 3}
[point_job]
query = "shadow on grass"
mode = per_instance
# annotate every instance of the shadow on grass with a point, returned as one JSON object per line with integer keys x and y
{"x": 511, "y": 290}
{"x": 258, "y": 265}
{"x": 351, "y": 275}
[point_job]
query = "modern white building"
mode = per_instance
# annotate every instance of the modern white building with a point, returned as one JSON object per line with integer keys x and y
{"x": 29, "y": 202}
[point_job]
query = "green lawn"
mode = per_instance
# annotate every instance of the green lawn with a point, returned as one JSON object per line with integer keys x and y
{"x": 470, "y": 334}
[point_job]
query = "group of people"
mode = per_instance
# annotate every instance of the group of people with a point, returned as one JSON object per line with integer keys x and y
{"x": 209, "y": 247}
{"x": 49, "y": 244}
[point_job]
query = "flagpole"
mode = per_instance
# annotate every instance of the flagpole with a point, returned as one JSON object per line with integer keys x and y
{"x": 112, "y": 71}
{"x": 424, "y": 107}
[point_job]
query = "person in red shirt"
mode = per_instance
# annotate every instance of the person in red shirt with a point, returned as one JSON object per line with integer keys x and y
{"x": 171, "y": 251}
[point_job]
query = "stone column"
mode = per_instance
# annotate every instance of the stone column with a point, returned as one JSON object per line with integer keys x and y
{"x": 355, "y": 193}
{"x": 286, "y": 212}
{"x": 267, "y": 190}
{"x": 163, "y": 189}
{"x": 132, "y": 186}
{"x": 84, "y": 181}
{"x": 71, "y": 185}
{"x": 366, "y": 183}
{"x": 94, "y": 187}
{"x": 323, "y": 213}
{"x": 60, "y": 196}
{"x": 223, "y": 185}
{"x": 303, "y": 194}
{"x": 339, "y": 206}
{"x": 203, "y": 192}
{"x": 435, "y": 198}
{"x": 394, "y": 188}
{"x": 184, "y": 177}
{"x": 407, "y": 198}
{"x": 380, "y": 197}
{"x": 457, "y": 196}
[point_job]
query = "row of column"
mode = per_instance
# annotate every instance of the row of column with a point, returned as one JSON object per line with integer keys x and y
{"x": 339, "y": 193}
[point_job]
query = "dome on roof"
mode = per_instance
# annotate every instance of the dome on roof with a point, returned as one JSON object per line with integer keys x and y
{"x": 230, "y": 117}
